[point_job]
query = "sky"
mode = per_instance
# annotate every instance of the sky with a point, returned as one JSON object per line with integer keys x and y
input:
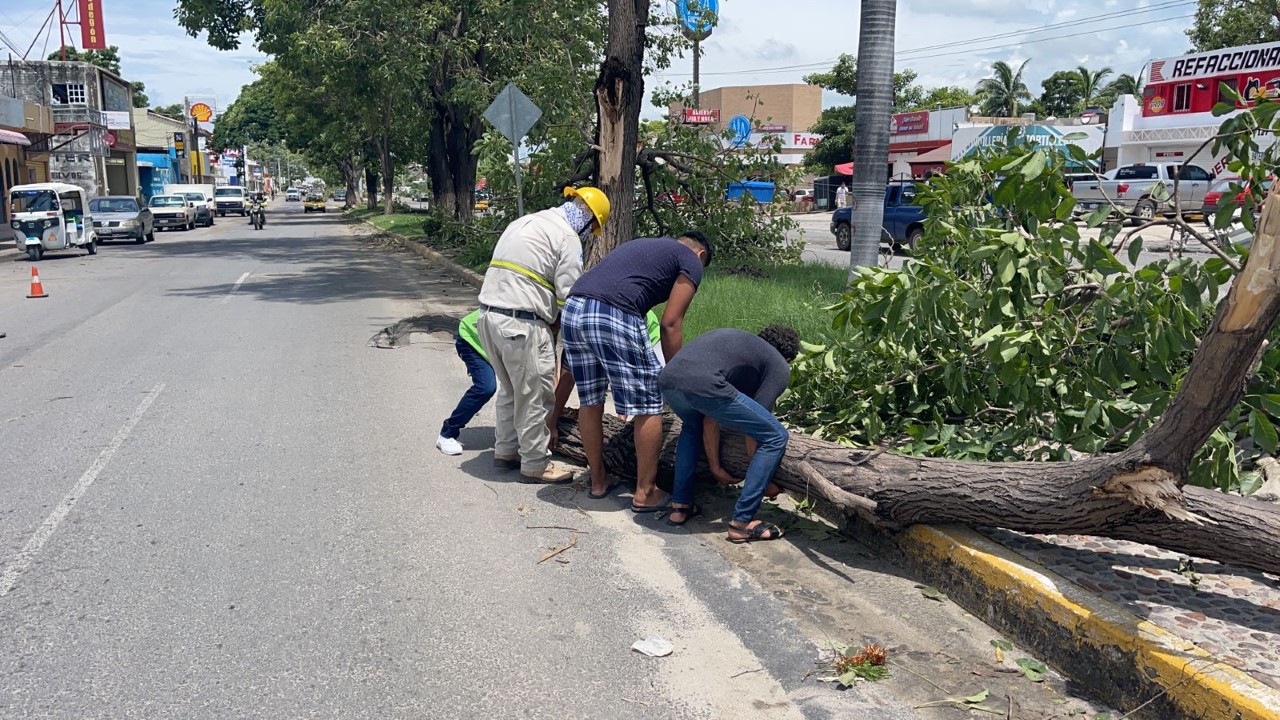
{"x": 755, "y": 42}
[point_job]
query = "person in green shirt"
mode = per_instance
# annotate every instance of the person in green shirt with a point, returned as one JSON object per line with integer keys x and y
{"x": 483, "y": 385}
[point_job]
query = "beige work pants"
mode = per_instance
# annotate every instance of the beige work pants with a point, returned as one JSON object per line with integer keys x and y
{"x": 522, "y": 353}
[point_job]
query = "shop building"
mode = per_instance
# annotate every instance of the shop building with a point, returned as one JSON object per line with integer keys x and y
{"x": 1174, "y": 117}
{"x": 93, "y": 143}
{"x": 760, "y": 116}
{"x": 165, "y": 153}
{"x": 25, "y": 128}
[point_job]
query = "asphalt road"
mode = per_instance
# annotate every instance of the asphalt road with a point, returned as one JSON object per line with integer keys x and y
{"x": 216, "y": 501}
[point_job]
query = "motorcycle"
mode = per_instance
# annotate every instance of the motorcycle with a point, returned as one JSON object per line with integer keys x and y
{"x": 257, "y": 215}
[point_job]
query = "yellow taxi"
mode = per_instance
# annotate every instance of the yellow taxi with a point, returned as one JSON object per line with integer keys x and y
{"x": 315, "y": 202}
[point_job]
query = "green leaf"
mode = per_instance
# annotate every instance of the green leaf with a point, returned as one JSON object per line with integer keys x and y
{"x": 977, "y": 697}
{"x": 848, "y": 679}
{"x": 1098, "y": 216}
{"x": 1135, "y": 251}
{"x": 1035, "y": 166}
{"x": 1033, "y": 670}
{"x": 1223, "y": 109}
{"x": 1263, "y": 431}
{"x": 1073, "y": 137}
{"x": 1009, "y": 352}
{"x": 1005, "y": 269}
{"x": 1001, "y": 645}
{"x": 988, "y": 336}
{"x": 932, "y": 593}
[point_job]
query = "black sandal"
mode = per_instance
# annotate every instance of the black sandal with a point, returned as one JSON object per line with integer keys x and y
{"x": 756, "y": 532}
{"x": 689, "y": 511}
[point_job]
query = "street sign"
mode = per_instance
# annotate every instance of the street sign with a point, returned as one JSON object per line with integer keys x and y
{"x": 513, "y": 114}
{"x": 697, "y": 17}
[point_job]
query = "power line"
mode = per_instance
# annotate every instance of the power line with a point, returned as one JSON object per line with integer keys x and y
{"x": 1014, "y": 33}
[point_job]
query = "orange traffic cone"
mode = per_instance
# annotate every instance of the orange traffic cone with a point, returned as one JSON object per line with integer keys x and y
{"x": 37, "y": 290}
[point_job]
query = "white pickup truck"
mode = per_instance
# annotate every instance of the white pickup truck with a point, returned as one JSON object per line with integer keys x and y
{"x": 1131, "y": 188}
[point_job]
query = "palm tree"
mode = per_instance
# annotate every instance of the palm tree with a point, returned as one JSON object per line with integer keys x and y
{"x": 871, "y": 129}
{"x": 1090, "y": 82}
{"x": 1125, "y": 84}
{"x": 1001, "y": 92}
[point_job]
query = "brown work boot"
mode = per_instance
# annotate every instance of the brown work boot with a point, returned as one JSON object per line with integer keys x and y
{"x": 506, "y": 462}
{"x": 552, "y": 474}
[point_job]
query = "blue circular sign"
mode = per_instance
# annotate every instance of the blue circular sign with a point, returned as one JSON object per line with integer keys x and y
{"x": 740, "y": 126}
{"x": 698, "y": 16}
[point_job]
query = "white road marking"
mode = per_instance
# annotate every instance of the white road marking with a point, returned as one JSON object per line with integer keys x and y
{"x": 236, "y": 287}
{"x": 42, "y": 534}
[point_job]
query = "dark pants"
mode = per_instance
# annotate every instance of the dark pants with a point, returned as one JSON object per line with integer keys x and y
{"x": 483, "y": 386}
{"x": 739, "y": 413}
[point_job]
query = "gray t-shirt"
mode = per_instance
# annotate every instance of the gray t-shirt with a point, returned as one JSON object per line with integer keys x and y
{"x": 725, "y": 362}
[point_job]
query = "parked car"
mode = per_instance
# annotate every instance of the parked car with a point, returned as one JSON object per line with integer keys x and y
{"x": 802, "y": 195}
{"x": 292, "y": 195}
{"x": 1131, "y": 189}
{"x": 903, "y": 218}
{"x": 122, "y": 217}
{"x": 173, "y": 211}
{"x": 206, "y": 191}
{"x": 340, "y": 195}
{"x": 313, "y": 203}
{"x": 1231, "y": 190}
{"x": 204, "y": 214}
{"x": 230, "y": 200}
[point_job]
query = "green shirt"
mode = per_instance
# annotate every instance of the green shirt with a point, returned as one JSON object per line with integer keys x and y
{"x": 467, "y": 331}
{"x": 655, "y": 329}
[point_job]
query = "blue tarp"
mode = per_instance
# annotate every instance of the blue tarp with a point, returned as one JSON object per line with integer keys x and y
{"x": 762, "y": 192}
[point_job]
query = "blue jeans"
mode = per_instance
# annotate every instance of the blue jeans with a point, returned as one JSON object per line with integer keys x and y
{"x": 483, "y": 386}
{"x": 739, "y": 413}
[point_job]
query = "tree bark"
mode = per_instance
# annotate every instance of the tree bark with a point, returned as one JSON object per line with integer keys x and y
{"x": 619, "y": 94}
{"x": 350, "y": 180}
{"x": 871, "y": 129}
{"x": 451, "y": 165}
{"x": 371, "y": 187}
{"x": 1138, "y": 494}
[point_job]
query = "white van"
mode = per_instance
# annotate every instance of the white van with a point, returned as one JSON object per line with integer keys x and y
{"x": 205, "y": 190}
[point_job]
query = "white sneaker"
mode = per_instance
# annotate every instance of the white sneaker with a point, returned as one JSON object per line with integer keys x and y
{"x": 448, "y": 446}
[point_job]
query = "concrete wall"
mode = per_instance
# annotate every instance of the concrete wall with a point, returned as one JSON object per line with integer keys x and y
{"x": 796, "y": 105}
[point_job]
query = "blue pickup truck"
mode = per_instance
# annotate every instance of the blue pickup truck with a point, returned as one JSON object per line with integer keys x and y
{"x": 903, "y": 218}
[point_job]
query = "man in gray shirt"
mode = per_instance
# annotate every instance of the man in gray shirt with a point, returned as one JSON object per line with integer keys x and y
{"x": 734, "y": 378}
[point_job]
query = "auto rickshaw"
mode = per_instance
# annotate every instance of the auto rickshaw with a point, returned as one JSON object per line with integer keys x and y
{"x": 51, "y": 216}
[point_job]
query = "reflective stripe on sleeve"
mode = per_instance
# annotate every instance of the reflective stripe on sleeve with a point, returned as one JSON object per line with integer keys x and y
{"x": 523, "y": 271}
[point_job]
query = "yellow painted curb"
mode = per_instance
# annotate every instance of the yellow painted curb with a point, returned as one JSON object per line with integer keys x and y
{"x": 1192, "y": 679}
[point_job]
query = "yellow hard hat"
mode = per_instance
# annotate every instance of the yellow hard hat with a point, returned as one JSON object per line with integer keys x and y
{"x": 596, "y": 200}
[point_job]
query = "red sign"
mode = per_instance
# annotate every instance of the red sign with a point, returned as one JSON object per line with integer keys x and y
{"x": 773, "y": 128}
{"x": 912, "y": 123}
{"x": 109, "y": 139}
{"x": 92, "y": 36}
{"x": 695, "y": 116}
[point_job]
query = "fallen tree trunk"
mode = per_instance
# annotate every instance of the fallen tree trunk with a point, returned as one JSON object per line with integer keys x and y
{"x": 895, "y": 491}
{"x": 1136, "y": 495}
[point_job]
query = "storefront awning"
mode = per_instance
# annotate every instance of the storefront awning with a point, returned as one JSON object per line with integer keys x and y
{"x": 845, "y": 168}
{"x": 9, "y": 137}
{"x": 936, "y": 156}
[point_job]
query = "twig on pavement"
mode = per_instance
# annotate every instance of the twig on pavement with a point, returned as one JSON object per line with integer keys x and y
{"x": 745, "y": 672}
{"x": 555, "y": 527}
{"x": 556, "y": 551}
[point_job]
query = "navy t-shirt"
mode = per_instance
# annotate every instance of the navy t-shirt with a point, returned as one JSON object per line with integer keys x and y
{"x": 638, "y": 275}
{"x": 724, "y": 362}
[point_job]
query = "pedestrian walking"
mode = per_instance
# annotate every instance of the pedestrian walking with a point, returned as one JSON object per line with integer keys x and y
{"x": 483, "y": 385}
{"x": 606, "y": 346}
{"x": 535, "y": 264}
{"x": 733, "y": 378}
{"x": 842, "y": 195}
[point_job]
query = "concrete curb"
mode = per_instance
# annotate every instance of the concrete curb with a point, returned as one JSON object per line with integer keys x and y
{"x": 465, "y": 274}
{"x": 1125, "y": 661}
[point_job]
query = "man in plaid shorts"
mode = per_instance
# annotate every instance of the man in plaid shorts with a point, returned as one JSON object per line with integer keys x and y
{"x": 606, "y": 345}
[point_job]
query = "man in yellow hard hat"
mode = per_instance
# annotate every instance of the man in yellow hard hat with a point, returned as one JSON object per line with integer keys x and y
{"x": 534, "y": 265}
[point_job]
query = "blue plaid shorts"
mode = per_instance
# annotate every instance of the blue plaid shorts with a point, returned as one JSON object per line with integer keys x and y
{"x": 606, "y": 347}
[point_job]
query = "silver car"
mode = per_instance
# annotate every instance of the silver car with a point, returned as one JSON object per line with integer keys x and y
{"x": 121, "y": 217}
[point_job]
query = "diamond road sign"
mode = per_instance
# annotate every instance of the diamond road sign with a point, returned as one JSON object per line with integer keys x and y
{"x": 512, "y": 113}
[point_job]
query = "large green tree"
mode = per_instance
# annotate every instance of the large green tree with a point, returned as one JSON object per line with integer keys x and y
{"x": 252, "y": 118}
{"x": 1062, "y": 96}
{"x": 414, "y": 88}
{"x": 108, "y": 59}
{"x": 1227, "y": 23}
{"x": 1002, "y": 92}
{"x": 836, "y": 124}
